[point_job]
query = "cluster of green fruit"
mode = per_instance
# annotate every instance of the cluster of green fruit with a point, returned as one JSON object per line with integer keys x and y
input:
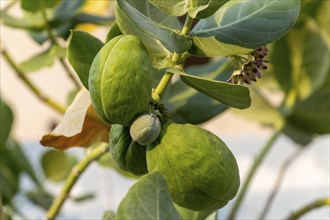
{"x": 201, "y": 172}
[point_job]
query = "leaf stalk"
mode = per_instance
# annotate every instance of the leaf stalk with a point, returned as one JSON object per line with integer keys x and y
{"x": 166, "y": 79}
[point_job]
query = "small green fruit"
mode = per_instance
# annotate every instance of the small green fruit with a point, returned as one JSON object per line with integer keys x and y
{"x": 120, "y": 80}
{"x": 201, "y": 172}
{"x": 128, "y": 155}
{"x": 145, "y": 129}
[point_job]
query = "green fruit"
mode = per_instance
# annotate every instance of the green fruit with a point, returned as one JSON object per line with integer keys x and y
{"x": 128, "y": 155}
{"x": 201, "y": 172}
{"x": 120, "y": 80}
{"x": 145, "y": 129}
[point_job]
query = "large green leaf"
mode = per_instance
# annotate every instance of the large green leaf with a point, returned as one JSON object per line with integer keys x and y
{"x": 261, "y": 111}
{"x": 174, "y": 8}
{"x": 250, "y": 23}
{"x": 36, "y": 5}
{"x": 236, "y": 96}
{"x": 148, "y": 199}
{"x": 310, "y": 58}
{"x": 210, "y": 47}
{"x": 187, "y": 105}
{"x": 82, "y": 49}
{"x": 44, "y": 59}
{"x": 195, "y": 8}
{"x": 6, "y": 122}
{"x": 57, "y": 165}
{"x": 151, "y": 21}
{"x": 212, "y": 7}
{"x": 313, "y": 114}
{"x": 301, "y": 59}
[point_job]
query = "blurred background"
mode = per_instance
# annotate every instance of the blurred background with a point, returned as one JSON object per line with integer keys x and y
{"x": 307, "y": 178}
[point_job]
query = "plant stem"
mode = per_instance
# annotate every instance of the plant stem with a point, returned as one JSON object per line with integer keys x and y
{"x": 256, "y": 163}
{"x": 309, "y": 207}
{"x": 166, "y": 79}
{"x": 9, "y": 5}
{"x": 279, "y": 180}
{"x": 50, "y": 102}
{"x": 53, "y": 40}
{"x": 78, "y": 169}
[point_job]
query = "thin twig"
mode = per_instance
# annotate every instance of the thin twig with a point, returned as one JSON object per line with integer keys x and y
{"x": 279, "y": 180}
{"x": 47, "y": 100}
{"x": 9, "y": 5}
{"x": 309, "y": 207}
{"x": 76, "y": 172}
{"x": 256, "y": 163}
{"x": 53, "y": 40}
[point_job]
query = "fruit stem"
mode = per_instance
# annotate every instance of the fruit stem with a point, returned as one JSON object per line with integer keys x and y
{"x": 256, "y": 163}
{"x": 78, "y": 169}
{"x": 309, "y": 207}
{"x": 166, "y": 79}
{"x": 50, "y": 102}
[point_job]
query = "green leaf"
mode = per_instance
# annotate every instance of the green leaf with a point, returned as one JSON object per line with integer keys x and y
{"x": 62, "y": 31}
{"x": 204, "y": 8}
{"x": 21, "y": 160}
{"x": 108, "y": 215}
{"x": 57, "y": 165}
{"x": 67, "y": 9}
{"x": 40, "y": 198}
{"x": 82, "y": 49}
{"x": 310, "y": 58}
{"x": 211, "y": 47}
{"x": 250, "y": 23}
{"x": 148, "y": 199}
{"x": 312, "y": 114}
{"x": 211, "y": 8}
{"x": 301, "y": 60}
{"x": 187, "y": 105}
{"x": 195, "y": 8}
{"x": 43, "y": 59}
{"x": 298, "y": 135}
{"x": 174, "y": 8}
{"x": 6, "y": 122}
{"x": 9, "y": 182}
{"x": 152, "y": 22}
{"x": 229, "y": 94}
{"x": 154, "y": 47}
{"x": 281, "y": 61}
{"x": 36, "y": 5}
{"x": 82, "y": 18}
{"x": 261, "y": 111}
{"x": 84, "y": 197}
{"x": 23, "y": 23}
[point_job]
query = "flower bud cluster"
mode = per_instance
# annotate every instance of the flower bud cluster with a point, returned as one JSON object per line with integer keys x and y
{"x": 250, "y": 70}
